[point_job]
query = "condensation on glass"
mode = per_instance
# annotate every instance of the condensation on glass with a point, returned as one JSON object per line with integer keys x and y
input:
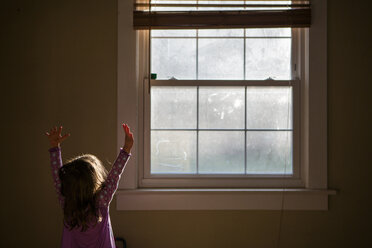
{"x": 222, "y": 54}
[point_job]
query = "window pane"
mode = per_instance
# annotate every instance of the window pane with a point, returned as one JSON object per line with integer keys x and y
{"x": 269, "y": 152}
{"x": 173, "y": 58}
{"x": 221, "y": 107}
{"x": 269, "y": 108}
{"x": 268, "y": 32}
{"x": 221, "y": 152}
{"x": 221, "y": 32}
{"x": 173, "y": 107}
{"x": 268, "y": 58}
{"x": 173, "y": 152}
{"x": 221, "y": 59}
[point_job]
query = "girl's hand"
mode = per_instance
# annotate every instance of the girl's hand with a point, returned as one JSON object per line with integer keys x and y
{"x": 128, "y": 138}
{"x": 54, "y": 136}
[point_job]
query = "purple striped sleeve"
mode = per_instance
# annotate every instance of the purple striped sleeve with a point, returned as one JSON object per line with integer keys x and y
{"x": 112, "y": 181}
{"x": 56, "y": 164}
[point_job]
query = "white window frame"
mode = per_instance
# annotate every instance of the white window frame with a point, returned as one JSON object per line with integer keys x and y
{"x": 312, "y": 193}
{"x": 148, "y": 180}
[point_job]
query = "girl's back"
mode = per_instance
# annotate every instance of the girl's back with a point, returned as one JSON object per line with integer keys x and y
{"x": 97, "y": 235}
{"x": 85, "y": 193}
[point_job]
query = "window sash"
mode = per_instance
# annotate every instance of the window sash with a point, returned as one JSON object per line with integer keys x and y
{"x": 226, "y": 180}
{"x": 295, "y": 39}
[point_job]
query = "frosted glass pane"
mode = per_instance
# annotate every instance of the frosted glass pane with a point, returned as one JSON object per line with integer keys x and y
{"x": 221, "y": 107}
{"x": 173, "y": 58}
{"x": 221, "y": 152}
{"x": 221, "y": 32}
{"x": 173, "y": 152}
{"x": 269, "y": 107}
{"x": 221, "y": 58}
{"x": 269, "y": 152}
{"x": 268, "y": 58}
{"x": 173, "y": 33}
{"x": 268, "y": 32}
{"x": 173, "y": 107}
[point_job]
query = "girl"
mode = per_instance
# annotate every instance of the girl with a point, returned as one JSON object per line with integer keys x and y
{"x": 85, "y": 191}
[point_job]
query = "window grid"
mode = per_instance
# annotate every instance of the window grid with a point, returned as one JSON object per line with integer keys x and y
{"x": 244, "y": 37}
{"x": 245, "y": 130}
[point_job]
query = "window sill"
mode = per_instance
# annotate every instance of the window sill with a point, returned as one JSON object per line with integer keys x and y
{"x": 223, "y": 199}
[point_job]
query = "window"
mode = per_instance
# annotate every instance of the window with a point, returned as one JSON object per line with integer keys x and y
{"x": 216, "y": 110}
{"x": 180, "y": 125}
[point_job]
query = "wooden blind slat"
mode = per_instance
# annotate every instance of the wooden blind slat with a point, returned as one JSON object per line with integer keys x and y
{"x": 300, "y": 17}
{"x": 160, "y": 14}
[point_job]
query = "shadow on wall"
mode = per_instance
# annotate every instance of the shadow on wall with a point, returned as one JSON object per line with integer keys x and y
{"x": 120, "y": 242}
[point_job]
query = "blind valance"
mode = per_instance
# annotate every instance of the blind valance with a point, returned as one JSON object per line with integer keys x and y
{"x": 189, "y": 14}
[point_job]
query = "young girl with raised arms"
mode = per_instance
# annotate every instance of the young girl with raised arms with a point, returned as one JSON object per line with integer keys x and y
{"x": 85, "y": 191}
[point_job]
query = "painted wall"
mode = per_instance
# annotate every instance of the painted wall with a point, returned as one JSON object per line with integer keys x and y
{"x": 58, "y": 65}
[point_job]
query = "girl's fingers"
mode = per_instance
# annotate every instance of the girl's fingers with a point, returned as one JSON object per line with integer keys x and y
{"x": 64, "y": 137}
{"x": 46, "y": 133}
{"x": 130, "y": 135}
{"x": 60, "y": 130}
{"x": 126, "y": 128}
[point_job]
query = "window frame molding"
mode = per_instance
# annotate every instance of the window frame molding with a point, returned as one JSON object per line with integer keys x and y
{"x": 313, "y": 130}
{"x": 147, "y": 180}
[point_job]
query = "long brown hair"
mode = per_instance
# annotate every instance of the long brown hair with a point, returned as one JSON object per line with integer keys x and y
{"x": 81, "y": 179}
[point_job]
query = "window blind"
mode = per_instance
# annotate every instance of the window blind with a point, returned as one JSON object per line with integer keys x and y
{"x": 213, "y": 14}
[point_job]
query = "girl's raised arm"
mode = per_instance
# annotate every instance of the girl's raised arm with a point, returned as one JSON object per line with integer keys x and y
{"x": 112, "y": 181}
{"x": 55, "y": 139}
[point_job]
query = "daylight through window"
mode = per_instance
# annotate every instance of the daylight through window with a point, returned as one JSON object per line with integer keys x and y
{"x": 223, "y": 102}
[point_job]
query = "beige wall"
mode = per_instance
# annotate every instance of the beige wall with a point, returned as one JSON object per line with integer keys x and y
{"x": 58, "y": 65}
